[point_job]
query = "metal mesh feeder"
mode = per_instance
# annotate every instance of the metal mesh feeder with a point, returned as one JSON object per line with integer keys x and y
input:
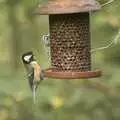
{"x": 70, "y": 44}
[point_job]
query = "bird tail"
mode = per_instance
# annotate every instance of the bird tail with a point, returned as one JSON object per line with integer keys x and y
{"x": 34, "y": 93}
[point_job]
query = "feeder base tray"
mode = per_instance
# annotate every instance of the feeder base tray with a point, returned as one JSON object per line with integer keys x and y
{"x": 72, "y": 75}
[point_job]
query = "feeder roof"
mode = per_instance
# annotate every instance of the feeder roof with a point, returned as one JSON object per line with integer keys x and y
{"x": 67, "y": 6}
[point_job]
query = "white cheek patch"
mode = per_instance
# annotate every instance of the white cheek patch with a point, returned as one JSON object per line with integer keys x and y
{"x": 27, "y": 58}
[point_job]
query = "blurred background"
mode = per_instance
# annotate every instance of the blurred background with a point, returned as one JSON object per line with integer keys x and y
{"x": 94, "y": 99}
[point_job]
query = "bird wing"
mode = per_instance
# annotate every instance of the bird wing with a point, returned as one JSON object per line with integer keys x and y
{"x": 42, "y": 75}
{"x": 38, "y": 73}
{"x": 30, "y": 78}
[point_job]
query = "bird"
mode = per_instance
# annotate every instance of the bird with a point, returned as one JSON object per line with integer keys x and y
{"x": 46, "y": 40}
{"x": 46, "y": 43}
{"x": 34, "y": 72}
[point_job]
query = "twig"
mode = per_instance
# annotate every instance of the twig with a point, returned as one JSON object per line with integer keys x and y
{"x": 117, "y": 37}
{"x": 113, "y": 42}
{"x": 102, "y": 48}
{"x": 100, "y": 86}
{"x": 109, "y": 2}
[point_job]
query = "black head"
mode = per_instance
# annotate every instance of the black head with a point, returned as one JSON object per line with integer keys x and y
{"x": 28, "y": 57}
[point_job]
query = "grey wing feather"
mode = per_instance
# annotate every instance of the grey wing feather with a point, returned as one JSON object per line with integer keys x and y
{"x": 42, "y": 76}
{"x": 31, "y": 78}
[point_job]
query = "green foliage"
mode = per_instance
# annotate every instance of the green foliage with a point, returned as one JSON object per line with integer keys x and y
{"x": 57, "y": 99}
{"x": 94, "y": 99}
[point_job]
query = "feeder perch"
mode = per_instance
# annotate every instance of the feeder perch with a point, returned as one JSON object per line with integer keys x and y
{"x": 70, "y": 44}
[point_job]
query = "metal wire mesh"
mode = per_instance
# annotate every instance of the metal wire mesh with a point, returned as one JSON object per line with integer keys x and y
{"x": 70, "y": 42}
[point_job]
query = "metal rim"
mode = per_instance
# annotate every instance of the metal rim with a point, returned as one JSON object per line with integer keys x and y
{"x": 72, "y": 75}
{"x": 67, "y": 6}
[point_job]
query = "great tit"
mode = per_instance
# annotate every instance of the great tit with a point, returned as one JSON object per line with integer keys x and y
{"x": 34, "y": 72}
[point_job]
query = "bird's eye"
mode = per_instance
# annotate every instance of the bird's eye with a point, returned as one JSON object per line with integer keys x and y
{"x": 27, "y": 58}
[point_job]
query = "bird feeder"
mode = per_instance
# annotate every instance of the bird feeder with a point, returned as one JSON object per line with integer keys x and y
{"x": 70, "y": 38}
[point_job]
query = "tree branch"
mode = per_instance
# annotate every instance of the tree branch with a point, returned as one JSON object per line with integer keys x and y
{"x": 113, "y": 42}
{"x": 109, "y": 2}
